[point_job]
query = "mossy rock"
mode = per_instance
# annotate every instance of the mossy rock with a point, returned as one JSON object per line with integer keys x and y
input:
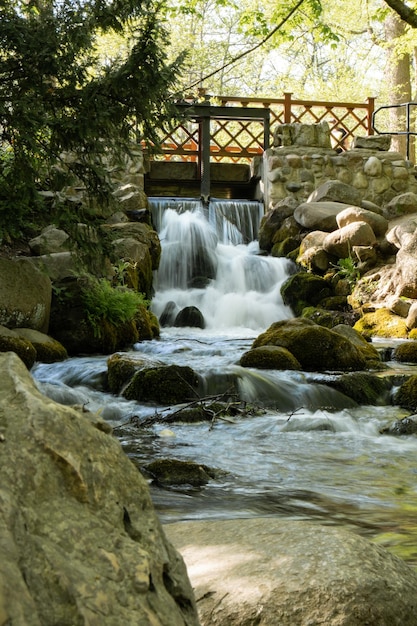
{"x": 406, "y": 352}
{"x": 335, "y": 303}
{"x": 363, "y": 387}
{"x": 302, "y": 290}
{"x": 166, "y": 384}
{"x": 121, "y": 368}
{"x": 406, "y": 395}
{"x": 368, "y": 351}
{"x": 382, "y": 323}
{"x": 326, "y": 318}
{"x": 48, "y": 350}
{"x": 170, "y": 472}
{"x": 315, "y": 347}
{"x": 284, "y": 248}
{"x": 270, "y": 357}
{"x": 11, "y": 342}
{"x": 200, "y": 413}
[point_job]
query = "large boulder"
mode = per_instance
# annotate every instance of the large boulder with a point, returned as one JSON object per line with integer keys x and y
{"x": 340, "y": 243}
{"x": 319, "y": 215}
{"x": 80, "y": 540}
{"x": 272, "y": 572}
{"x": 25, "y": 295}
{"x": 315, "y": 347}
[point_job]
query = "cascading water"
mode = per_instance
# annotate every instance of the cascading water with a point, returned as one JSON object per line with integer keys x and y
{"x": 312, "y": 454}
{"x": 206, "y": 264}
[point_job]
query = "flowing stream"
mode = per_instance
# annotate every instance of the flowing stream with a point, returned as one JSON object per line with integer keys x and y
{"x": 311, "y": 453}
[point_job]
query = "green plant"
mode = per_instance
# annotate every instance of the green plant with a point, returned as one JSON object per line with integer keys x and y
{"x": 106, "y": 304}
{"x": 348, "y": 270}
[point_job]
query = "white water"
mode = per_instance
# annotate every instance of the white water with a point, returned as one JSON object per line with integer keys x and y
{"x": 243, "y": 288}
{"x": 313, "y": 454}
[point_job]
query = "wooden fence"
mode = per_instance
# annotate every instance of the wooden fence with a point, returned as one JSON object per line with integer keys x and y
{"x": 236, "y": 139}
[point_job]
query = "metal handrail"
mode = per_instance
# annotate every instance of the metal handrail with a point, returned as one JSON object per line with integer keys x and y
{"x": 406, "y": 132}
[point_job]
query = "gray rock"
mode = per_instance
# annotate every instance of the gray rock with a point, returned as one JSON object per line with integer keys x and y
{"x": 336, "y": 191}
{"x": 25, "y": 295}
{"x": 378, "y": 223}
{"x": 80, "y": 540}
{"x": 50, "y": 240}
{"x": 319, "y": 215}
{"x": 373, "y": 142}
{"x": 278, "y": 573}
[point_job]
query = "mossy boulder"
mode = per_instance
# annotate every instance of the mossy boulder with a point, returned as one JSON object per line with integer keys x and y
{"x": 270, "y": 357}
{"x": 363, "y": 387}
{"x": 48, "y": 350}
{"x": 284, "y": 248}
{"x": 165, "y": 384}
{"x": 169, "y": 472}
{"x": 382, "y": 323}
{"x": 406, "y": 352}
{"x": 11, "y": 342}
{"x": 406, "y": 395}
{"x": 122, "y": 366}
{"x": 315, "y": 347}
{"x": 326, "y": 318}
{"x": 368, "y": 351}
{"x": 302, "y": 290}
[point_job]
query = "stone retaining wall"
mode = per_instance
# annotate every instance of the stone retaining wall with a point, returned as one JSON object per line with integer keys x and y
{"x": 302, "y": 158}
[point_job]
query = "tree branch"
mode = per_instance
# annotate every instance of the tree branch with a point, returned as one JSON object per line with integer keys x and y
{"x": 406, "y": 14}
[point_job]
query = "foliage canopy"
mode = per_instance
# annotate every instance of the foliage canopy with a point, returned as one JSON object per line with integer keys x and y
{"x": 64, "y": 114}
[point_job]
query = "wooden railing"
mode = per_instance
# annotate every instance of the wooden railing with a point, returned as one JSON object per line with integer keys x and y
{"x": 242, "y": 139}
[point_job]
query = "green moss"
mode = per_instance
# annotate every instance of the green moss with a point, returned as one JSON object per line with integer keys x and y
{"x": 406, "y": 395}
{"x": 406, "y": 352}
{"x": 303, "y": 290}
{"x": 270, "y": 357}
{"x": 173, "y": 472}
{"x": 382, "y": 323}
{"x": 167, "y": 384}
{"x": 284, "y": 248}
{"x": 363, "y": 387}
{"x": 24, "y": 349}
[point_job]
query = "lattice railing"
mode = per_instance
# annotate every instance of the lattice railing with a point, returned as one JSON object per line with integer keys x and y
{"x": 237, "y": 140}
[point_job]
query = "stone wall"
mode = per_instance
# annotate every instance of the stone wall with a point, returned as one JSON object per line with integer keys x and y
{"x": 302, "y": 158}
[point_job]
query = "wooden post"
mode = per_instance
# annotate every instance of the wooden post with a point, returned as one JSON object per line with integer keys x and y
{"x": 287, "y": 107}
{"x": 371, "y": 109}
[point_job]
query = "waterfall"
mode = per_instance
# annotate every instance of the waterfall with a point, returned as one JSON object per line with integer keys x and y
{"x": 211, "y": 263}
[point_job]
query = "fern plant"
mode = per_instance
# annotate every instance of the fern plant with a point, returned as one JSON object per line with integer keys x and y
{"x": 113, "y": 305}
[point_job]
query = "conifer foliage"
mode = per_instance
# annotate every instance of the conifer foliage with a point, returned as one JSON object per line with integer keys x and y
{"x": 57, "y": 97}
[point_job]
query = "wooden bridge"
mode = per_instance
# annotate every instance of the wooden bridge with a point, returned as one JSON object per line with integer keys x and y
{"x": 231, "y": 129}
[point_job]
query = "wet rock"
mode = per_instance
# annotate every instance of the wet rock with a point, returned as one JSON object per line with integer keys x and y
{"x": 285, "y": 573}
{"x": 404, "y": 426}
{"x": 406, "y": 395}
{"x": 169, "y": 313}
{"x": 406, "y": 352}
{"x": 122, "y": 366}
{"x": 169, "y": 472}
{"x": 327, "y": 317}
{"x": 80, "y": 540}
{"x": 190, "y": 316}
{"x": 368, "y": 351}
{"x": 363, "y": 387}
{"x": 316, "y": 348}
{"x": 166, "y": 384}
{"x": 270, "y": 357}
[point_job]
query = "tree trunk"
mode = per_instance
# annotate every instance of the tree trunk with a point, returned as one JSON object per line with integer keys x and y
{"x": 399, "y": 81}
